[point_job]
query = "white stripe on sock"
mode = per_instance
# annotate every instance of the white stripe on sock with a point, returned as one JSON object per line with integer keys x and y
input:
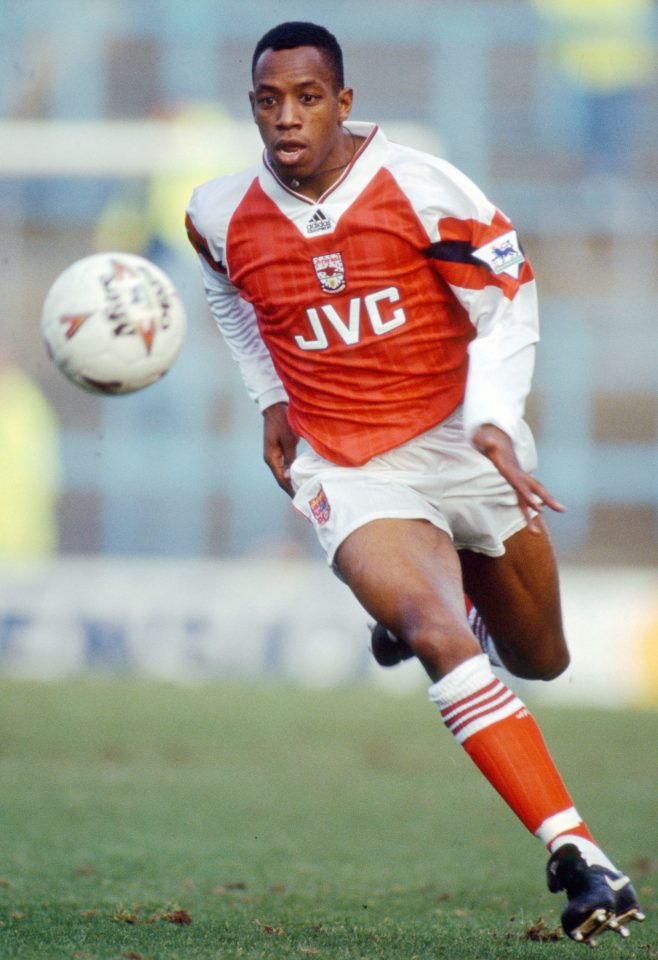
{"x": 558, "y": 823}
{"x": 483, "y": 637}
{"x": 471, "y": 698}
{"x": 486, "y": 697}
{"x": 592, "y": 854}
{"x": 480, "y": 723}
{"x": 469, "y": 677}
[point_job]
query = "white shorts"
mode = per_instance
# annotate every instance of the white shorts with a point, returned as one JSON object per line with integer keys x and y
{"x": 437, "y": 476}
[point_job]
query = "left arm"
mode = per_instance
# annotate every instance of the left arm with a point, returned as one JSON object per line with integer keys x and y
{"x": 477, "y": 253}
{"x": 502, "y": 359}
{"x": 501, "y": 363}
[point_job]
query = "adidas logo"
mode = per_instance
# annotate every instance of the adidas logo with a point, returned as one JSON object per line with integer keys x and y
{"x": 319, "y": 223}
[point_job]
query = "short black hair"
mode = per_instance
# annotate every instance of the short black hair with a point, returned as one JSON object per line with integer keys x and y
{"x": 299, "y": 33}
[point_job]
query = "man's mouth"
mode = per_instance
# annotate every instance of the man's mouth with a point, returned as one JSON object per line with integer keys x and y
{"x": 289, "y": 152}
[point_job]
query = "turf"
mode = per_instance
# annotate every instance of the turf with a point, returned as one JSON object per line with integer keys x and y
{"x": 160, "y": 821}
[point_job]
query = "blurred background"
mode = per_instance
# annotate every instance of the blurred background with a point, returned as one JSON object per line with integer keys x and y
{"x": 144, "y": 532}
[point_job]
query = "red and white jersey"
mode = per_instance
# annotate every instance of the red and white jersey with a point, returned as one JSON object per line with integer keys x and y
{"x": 377, "y": 309}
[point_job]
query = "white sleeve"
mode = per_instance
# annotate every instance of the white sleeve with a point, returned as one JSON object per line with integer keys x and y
{"x": 501, "y": 357}
{"x": 237, "y": 322}
{"x": 476, "y": 250}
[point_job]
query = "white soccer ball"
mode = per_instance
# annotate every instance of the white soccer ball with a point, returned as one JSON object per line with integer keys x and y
{"x": 113, "y": 323}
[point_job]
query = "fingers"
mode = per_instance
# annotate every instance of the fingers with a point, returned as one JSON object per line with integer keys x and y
{"x": 497, "y": 446}
{"x": 279, "y": 445}
{"x": 280, "y": 469}
{"x": 533, "y": 497}
{"x": 541, "y": 498}
{"x": 285, "y": 483}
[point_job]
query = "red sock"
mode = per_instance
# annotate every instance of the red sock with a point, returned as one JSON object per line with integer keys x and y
{"x": 504, "y": 741}
{"x": 481, "y": 633}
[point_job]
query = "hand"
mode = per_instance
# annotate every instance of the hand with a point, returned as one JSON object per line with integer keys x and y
{"x": 495, "y": 444}
{"x": 279, "y": 444}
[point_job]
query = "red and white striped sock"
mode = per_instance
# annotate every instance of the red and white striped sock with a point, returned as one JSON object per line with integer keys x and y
{"x": 502, "y": 738}
{"x": 481, "y": 633}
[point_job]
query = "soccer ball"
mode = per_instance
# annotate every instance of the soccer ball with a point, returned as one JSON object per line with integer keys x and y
{"x": 113, "y": 323}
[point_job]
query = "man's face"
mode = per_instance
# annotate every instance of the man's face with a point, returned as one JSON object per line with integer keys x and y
{"x": 299, "y": 112}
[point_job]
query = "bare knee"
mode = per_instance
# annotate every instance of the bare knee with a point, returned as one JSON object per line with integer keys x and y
{"x": 440, "y": 641}
{"x": 544, "y": 661}
{"x": 547, "y": 668}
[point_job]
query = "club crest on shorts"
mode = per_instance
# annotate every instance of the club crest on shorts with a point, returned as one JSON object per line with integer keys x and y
{"x": 330, "y": 271}
{"x": 320, "y": 508}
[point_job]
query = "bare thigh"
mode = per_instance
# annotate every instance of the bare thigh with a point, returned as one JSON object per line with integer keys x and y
{"x": 407, "y": 575}
{"x": 518, "y": 596}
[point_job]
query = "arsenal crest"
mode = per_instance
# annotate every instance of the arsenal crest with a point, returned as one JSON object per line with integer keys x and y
{"x": 320, "y": 507}
{"x": 330, "y": 271}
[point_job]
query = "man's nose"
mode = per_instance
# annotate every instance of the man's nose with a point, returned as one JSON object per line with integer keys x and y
{"x": 288, "y": 115}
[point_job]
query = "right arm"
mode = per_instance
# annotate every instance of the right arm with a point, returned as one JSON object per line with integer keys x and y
{"x": 237, "y": 323}
{"x": 279, "y": 444}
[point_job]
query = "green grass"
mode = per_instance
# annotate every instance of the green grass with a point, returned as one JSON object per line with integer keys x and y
{"x": 289, "y": 823}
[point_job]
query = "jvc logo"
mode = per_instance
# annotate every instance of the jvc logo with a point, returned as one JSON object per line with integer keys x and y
{"x": 349, "y": 328}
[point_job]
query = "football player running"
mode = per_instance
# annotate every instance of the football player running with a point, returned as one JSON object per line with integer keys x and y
{"x": 383, "y": 312}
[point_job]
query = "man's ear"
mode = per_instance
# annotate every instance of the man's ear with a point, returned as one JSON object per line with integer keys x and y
{"x": 345, "y": 98}
{"x": 252, "y": 103}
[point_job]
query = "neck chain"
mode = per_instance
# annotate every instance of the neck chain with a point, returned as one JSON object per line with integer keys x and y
{"x": 296, "y": 182}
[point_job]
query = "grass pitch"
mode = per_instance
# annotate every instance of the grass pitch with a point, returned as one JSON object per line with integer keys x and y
{"x": 159, "y": 822}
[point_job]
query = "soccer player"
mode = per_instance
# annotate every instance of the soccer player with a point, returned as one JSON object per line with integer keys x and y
{"x": 382, "y": 311}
